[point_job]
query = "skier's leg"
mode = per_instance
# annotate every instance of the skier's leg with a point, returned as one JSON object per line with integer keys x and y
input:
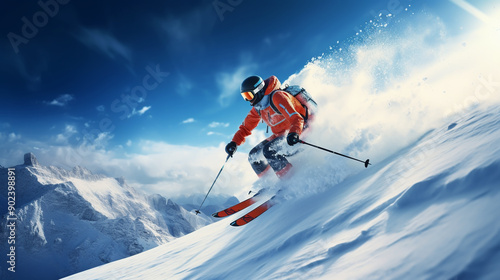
{"x": 278, "y": 162}
{"x": 257, "y": 161}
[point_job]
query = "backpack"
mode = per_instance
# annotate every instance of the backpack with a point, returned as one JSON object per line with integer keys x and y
{"x": 303, "y": 97}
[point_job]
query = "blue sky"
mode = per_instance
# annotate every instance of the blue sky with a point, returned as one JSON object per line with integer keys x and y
{"x": 115, "y": 75}
{"x": 88, "y": 55}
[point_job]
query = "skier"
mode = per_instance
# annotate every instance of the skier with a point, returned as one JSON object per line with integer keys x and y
{"x": 282, "y": 112}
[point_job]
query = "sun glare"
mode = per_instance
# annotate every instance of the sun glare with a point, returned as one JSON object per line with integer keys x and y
{"x": 471, "y": 9}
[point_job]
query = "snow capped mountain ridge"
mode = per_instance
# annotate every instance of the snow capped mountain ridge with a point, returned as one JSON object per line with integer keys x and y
{"x": 71, "y": 220}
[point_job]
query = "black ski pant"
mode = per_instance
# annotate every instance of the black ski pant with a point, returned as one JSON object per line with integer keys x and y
{"x": 267, "y": 153}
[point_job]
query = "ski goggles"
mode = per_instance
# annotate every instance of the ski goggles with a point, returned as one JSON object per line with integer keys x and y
{"x": 250, "y": 95}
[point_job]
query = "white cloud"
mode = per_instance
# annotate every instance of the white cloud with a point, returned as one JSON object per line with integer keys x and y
{"x": 14, "y": 137}
{"x": 210, "y": 133}
{"x": 190, "y": 120}
{"x": 139, "y": 112}
{"x": 183, "y": 31}
{"x": 186, "y": 169}
{"x": 102, "y": 139}
{"x": 68, "y": 132}
{"x": 184, "y": 85}
{"x": 144, "y": 110}
{"x": 60, "y": 138}
{"x": 229, "y": 82}
{"x": 100, "y": 108}
{"x": 105, "y": 43}
{"x": 255, "y": 138}
{"x": 70, "y": 129}
{"x": 156, "y": 167}
{"x": 60, "y": 101}
{"x": 218, "y": 124}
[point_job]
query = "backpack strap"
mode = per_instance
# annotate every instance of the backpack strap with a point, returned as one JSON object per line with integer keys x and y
{"x": 272, "y": 103}
{"x": 307, "y": 113}
{"x": 275, "y": 109}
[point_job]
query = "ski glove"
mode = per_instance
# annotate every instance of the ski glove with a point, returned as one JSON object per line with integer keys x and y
{"x": 292, "y": 138}
{"x": 231, "y": 148}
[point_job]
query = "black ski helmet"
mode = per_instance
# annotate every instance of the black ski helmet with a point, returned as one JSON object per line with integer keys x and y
{"x": 252, "y": 87}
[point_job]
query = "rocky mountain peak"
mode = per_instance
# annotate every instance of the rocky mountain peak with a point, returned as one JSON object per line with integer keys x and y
{"x": 30, "y": 159}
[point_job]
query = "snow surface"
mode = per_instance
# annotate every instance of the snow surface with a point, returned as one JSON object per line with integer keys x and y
{"x": 428, "y": 212}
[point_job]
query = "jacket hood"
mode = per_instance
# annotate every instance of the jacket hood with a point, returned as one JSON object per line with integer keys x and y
{"x": 272, "y": 84}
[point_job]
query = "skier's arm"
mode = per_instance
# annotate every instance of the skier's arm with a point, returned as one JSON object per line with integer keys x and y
{"x": 251, "y": 121}
{"x": 286, "y": 107}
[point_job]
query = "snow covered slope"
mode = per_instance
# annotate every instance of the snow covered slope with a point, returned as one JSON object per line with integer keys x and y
{"x": 430, "y": 211}
{"x": 69, "y": 221}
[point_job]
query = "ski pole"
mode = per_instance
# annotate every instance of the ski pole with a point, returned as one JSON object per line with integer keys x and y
{"x": 367, "y": 162}
{"x": 199, "y": 208}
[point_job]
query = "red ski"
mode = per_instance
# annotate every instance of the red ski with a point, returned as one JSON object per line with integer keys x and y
{"x": 235, "y": 208}
{"x": 255, "y": 213}
{"x": 238, "y": 207}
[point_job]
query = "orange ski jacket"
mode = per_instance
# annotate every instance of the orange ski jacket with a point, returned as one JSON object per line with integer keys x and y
{"x": 289, "y": 118}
